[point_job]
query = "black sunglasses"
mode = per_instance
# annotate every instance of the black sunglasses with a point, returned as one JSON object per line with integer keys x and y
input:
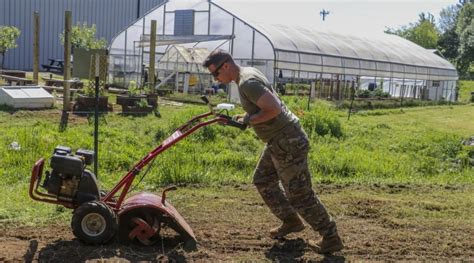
{"x": 216, "y": 71}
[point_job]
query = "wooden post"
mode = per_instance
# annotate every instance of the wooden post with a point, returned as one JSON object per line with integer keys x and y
{"x": 36, "y": 47}
{"x": 352, "y": 97}
{"x": 331, "y": 87}
{"x": 151, "y": 68}
{"x": 320, "y": 85}
{"x": 312, "y": 93}
{"x": 402, "y": 92}
{"x": 67, "y": 58}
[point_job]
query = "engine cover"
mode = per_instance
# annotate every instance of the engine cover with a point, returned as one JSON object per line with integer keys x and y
{"x": 67, "y": 165}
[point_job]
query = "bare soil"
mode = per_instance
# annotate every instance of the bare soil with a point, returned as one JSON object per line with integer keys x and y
{"x": 377, "y": 223}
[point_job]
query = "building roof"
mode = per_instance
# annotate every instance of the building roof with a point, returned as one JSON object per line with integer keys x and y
{"x": 298, "y": 51}
{"x": 381, "y": 54}
{"x": 383, "y": 48}
{"x": 193, "y": 55}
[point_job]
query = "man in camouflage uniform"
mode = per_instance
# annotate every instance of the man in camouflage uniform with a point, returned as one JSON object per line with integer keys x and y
{"x": 284, "y": 161}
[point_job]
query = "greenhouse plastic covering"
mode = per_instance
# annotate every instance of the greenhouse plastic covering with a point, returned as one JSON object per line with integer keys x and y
{"x": 277, "y": 50}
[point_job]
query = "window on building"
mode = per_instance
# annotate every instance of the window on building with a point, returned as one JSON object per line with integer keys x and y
{"x": 184, "y": 22}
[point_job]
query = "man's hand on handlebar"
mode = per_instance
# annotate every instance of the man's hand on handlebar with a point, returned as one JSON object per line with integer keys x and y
{"x": 242, "y": 118}
{"x": 231, "y": 122}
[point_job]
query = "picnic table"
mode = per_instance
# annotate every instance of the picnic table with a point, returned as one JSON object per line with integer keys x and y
{"x": 54, "y": 64}
{"x": 60, "y": 83}
{"x": 50, "y": 89}
{"x": 12, "y": 80}
{"x": 14, "y": 73}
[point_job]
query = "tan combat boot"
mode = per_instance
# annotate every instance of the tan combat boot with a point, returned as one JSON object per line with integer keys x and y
{"x": 291, "y": 224}
{"x": 328, "y": 244}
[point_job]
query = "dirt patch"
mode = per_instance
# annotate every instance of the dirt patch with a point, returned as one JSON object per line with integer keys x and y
{"x": 52, "y": 115}
{"x": 232, "y": 224}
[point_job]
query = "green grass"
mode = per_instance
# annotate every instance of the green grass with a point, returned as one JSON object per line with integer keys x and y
{"x": 385, "y": 145}
{"x": 412, "y": 145}
{"x": 465, "y": 89}
{"x": 404, "y": 145}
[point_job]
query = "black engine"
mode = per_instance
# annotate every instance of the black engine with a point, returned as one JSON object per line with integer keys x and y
{"x": 69, "y": 180}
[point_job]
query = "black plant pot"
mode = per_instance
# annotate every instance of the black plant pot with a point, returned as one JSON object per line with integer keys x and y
{"x": 152, "y": 100}
{"x": 129, "y": 100}
{"x": 85, "y": 103}
{"x": 137, "y": 110}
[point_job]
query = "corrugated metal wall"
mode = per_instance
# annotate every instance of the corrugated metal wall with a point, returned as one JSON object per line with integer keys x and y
{"x": 110, "y": 17}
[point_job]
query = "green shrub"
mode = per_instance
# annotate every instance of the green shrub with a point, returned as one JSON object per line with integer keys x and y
{"x": 84, "y": 36}
{"x": 290, "y": 87}
{"x": 322, "y": 121}
{"x": 379, "y": 93}
{"x": 363, "y": 93}
{"x": 8, "y": 37}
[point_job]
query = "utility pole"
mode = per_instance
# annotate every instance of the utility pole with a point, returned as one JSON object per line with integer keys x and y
{"x": 324, "y": 13}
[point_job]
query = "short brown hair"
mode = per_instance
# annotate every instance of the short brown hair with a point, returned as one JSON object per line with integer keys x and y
{"x": 217, "y": 57}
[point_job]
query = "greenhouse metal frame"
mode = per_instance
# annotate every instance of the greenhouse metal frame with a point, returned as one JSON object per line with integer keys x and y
{"x": 332, "y": 63}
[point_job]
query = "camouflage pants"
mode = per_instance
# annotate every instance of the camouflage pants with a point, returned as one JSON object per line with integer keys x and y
{"x": 283, "y": 180}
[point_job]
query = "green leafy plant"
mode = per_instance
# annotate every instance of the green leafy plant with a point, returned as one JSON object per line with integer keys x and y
{"x": 133, "y": 89}
{"x": 89, "y": 91}
{"x": 321, "y": 121}
{"x": 83, "y": 36}
{"x": 378, "y": 92}
{"x": 362, "y": 93}
{"x": 8, "y": 37}
{"x": 143, "y": 103}
{"x": 149, "y": 89}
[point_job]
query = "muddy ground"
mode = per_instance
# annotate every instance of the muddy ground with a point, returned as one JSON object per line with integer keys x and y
{"x": 378, "y": 223}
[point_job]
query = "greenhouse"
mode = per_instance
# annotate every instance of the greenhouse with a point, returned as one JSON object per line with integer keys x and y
{"x": 186, "y": 61}
{"x": 331, "y": 63}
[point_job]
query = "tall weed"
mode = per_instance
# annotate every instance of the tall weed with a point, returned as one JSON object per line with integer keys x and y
{"x": 320, "y": 120}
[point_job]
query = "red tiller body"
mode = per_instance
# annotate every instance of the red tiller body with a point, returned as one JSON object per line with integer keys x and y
{"x": 116, "y": 198}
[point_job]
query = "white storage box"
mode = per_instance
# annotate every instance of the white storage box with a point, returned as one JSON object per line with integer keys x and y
{"x": 26, "y": 97}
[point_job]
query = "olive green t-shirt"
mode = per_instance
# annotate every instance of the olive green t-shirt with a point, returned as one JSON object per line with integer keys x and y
{"x": 252, "y": 85}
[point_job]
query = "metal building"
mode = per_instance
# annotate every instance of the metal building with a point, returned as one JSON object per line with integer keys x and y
{"x": 110, "y": 17}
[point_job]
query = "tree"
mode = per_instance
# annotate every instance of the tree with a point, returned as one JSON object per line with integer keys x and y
{"x": 448, "y": 18}
{"x": 448, "y": 45}
{"x": 8, "y": 37}
{"x": 448, "y": 42}
{"x": 465, "y": 31}
{"x": 83, "y": 36}
{"x": 423, "y": 32}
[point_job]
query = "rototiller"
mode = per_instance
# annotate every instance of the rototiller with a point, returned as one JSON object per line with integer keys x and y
{"x": 99, "y": 215}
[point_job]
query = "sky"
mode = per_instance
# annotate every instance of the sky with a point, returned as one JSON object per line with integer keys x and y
{"x": 346, "y": 16}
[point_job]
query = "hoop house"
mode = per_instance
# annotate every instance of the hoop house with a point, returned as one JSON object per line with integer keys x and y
{"x": 332, "y": 62}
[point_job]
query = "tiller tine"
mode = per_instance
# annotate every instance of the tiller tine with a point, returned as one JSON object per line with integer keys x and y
{"x": 144, "y": 232}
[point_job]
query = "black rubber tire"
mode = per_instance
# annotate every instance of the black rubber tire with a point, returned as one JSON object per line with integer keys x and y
{"x": 94, "y": 223}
